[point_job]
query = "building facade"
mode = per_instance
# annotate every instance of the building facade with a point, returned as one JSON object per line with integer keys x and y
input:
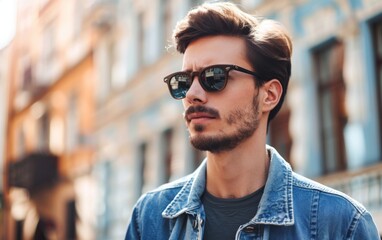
{"x": 141, "y": 138}
{"x": 329, "y": 128}
{"x": 49, "y": 191}
{"x": 335, "y": 94}
{"x": 87, "y": 96}
{"x": 3, "y": 113}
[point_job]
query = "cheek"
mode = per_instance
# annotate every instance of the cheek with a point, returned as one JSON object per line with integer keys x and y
{"x": 235, "y": 109}
{"x": 240, "y": 107}
{"x": 234, "y": 117}
{"x": 184, "y": 103}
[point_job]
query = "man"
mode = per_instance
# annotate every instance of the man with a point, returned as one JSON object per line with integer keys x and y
{"x": 235, "y": 74}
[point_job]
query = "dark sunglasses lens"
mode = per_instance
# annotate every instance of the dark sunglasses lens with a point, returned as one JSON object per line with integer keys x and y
{"x": 179, "y": 85}
{"x": 214, "y": 78}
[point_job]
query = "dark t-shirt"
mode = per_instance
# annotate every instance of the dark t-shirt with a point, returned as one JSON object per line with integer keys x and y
{"x": 224, "y": 216}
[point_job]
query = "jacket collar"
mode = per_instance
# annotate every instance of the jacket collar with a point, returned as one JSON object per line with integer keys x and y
{"x": 188, "y": 199}
{"x": 276, "y": 205}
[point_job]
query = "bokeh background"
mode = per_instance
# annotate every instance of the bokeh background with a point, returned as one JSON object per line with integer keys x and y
{"x": 87, "y": 124}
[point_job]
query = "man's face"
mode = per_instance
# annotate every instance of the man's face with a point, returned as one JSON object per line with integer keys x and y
{"x": 220, "y": 121}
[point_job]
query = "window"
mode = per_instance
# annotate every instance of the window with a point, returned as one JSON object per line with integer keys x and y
{"x": 27, "y": 76}
{"x": 56, "y": 144}
{"x": 166, "y": 20}
{"x": 72, "y": 122}
{"x": 71, "y": 217}
{"x": 47, "y": 66}
{"x": 104, "y": 55}
{"x": 167, "y": 140}
{"x": 141, "y": 39}
{"x": 377, "y": 39}
{"x": 104, "y": 173}
{"x": 20, "y": 142}
{"x": 142, "y": 159}
{"x": 44, "y": 132}
{"x": 108, "y": 66}
{"x": 78, "y": 9}
{"x": 48, "y": 44}
{"x": 279, "y": 133}
{"x": 330, "y": 88}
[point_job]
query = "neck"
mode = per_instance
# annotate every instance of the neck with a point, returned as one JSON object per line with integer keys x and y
{"x": 239, "y": 172}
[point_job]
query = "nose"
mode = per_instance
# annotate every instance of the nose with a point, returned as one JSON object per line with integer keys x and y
{"x": 196, "y": 94}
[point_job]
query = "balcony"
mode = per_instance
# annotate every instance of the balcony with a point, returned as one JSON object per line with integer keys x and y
{"x": 34, "y": 171}
{"x": 364, "y": 185}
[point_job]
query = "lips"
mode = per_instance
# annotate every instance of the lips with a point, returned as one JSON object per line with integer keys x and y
{"x": 198, "y": 116}
{"x": 200, "y": 113}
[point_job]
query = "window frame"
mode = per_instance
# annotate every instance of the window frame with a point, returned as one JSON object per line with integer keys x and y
{"x": 377, "y": 59}
{"x": 330, "y": 55}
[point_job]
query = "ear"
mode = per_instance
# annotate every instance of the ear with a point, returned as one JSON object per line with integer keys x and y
{"x": 272, "y": 94}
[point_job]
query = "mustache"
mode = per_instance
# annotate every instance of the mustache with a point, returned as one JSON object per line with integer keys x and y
{"x": 201, "y": 109}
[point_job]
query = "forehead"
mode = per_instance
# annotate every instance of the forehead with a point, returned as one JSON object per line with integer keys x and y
{"x": 215, "y": 50}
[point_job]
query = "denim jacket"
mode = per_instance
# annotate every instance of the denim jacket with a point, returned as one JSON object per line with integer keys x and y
{"x": 292, "y": 207}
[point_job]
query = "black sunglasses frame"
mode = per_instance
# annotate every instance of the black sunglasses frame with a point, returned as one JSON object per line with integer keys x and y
{"x": 225, "y": 67}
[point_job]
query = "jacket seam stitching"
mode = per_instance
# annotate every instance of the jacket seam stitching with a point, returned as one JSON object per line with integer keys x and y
{"x": 353, "y": 226}
{"x": 137, "y": 223}
{"x": 360, "y": 209}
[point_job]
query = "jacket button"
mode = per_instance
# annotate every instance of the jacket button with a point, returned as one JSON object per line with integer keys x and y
{"x": 249, "y": 229}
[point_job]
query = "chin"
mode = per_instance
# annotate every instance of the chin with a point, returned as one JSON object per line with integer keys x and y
{"x": 198, "y": 128}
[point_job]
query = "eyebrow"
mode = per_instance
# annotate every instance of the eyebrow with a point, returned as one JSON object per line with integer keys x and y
{"x": 198, "y": 68}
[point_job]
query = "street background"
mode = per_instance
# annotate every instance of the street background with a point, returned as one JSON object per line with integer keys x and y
{"x": 87, "y": 124}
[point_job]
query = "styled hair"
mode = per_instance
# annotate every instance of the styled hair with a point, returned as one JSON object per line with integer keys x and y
{"x": 269, "y": 47}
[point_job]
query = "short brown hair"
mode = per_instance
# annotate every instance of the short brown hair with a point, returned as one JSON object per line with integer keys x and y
{"x": 269, "y": 46}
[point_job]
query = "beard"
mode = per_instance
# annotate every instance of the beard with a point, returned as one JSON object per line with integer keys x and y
{"x": 246, "y": 121}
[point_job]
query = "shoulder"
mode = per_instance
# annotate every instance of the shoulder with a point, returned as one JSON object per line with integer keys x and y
{"x": 339, "y": 213}
{"x": 326, "y": 194}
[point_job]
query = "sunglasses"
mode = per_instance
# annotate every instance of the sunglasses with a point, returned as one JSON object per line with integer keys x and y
{"x": 212, "y": 79}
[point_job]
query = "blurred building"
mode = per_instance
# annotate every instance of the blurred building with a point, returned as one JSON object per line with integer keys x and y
{"x": 141, "y": 138}
{"x": 335, "y": 96}
{"x": 48, "y": 190}
{"x": 91, "y": 125}
{"x": 3, "y": 117}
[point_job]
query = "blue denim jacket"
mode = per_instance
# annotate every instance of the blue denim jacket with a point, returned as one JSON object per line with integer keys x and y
{"x": 292, "y": 207}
